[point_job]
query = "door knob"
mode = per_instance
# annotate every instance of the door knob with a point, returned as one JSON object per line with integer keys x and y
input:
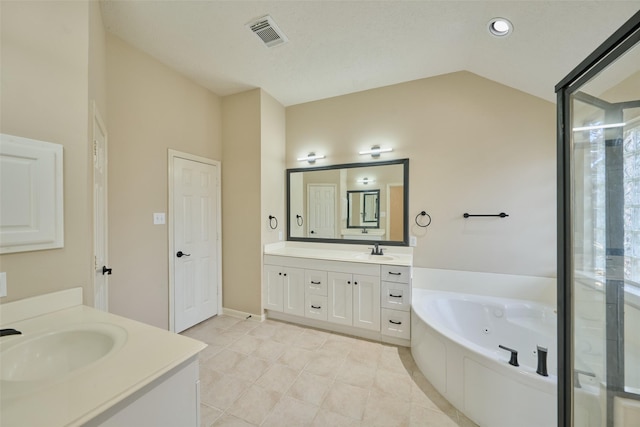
{"x": 106, "y": 270}
{"x": 180, "y": 254}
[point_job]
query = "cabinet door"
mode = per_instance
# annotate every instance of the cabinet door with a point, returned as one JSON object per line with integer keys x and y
{"x": 340, "y": 302}
{"x": 366, "y": 302}
{"x": 273, "y": 284}
{"x": 293, "y": 288}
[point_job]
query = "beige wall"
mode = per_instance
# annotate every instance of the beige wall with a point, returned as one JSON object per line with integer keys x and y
{"x": 474, "y": 146}
{"x": 44, "y": 96}
{"x": 241, "y": 202}
{"x": 253, "y": 183}
{"x": 151, "y": 109}
{"x": 272, "y": 172}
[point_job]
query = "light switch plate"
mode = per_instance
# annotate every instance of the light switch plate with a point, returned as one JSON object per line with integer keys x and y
{"x": 413, "y": 241}
{"x": 3, "y": 284}
{"x": 158, "y": 218}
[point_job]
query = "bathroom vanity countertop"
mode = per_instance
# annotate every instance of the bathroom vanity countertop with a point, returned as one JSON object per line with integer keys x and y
{"x": 347, "y": 253}
{"x": 77, "y": 397}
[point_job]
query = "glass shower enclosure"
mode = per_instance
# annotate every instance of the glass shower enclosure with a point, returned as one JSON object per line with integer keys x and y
{"x": 599, "y": 236}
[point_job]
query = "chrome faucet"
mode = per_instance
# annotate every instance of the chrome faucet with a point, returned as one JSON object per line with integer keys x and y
{"x": 364, "y": 231}
{"x": 376, "y": 250}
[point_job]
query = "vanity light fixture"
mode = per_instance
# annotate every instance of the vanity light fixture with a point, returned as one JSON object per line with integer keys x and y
{"x": 376, "y": 150}
{"x": 311, "y": 158}
{"x": 500, "y": 27}
{"x": 365, "y": 180}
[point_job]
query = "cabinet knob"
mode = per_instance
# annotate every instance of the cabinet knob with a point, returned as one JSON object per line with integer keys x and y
{"x": 355, "y": 283}
{"x": 348, "y": 282}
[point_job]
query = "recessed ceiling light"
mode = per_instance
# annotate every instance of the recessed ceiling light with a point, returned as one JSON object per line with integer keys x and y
{"x": 500, "y": 27}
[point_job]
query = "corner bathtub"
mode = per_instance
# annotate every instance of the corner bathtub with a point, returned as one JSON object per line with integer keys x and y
{"x": 454, "y": 341}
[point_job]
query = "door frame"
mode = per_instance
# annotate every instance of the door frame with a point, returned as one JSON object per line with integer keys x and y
{"x": 99, "y": 122}
{"x": 173, "y": 154}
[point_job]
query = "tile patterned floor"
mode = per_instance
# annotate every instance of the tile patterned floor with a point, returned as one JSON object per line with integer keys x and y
{"x": 274, "y": 373}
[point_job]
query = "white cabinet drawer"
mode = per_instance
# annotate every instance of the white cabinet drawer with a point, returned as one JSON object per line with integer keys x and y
{"x": 398, "y": 274}
{"x": 396, "y": 323}
{"x": 315, "y": 282}
{"x": 315, "y": 307}
{"x": 396, "y": 296}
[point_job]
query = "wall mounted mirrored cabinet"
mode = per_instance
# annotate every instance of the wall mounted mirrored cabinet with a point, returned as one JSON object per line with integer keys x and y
{"x": 349, "y": 203}
{"x": 31, "y": 195}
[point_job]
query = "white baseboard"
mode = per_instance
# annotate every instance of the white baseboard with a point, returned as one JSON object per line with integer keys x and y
{"x": 243, "y": 315}
{"x": 341, "y": 329}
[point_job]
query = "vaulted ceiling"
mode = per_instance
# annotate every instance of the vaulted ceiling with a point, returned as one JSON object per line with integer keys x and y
{"x": 340, "y": 47}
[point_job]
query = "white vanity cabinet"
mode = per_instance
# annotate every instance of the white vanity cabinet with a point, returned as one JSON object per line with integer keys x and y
{"x": 284, "y": 289}
{"x": 337, "y": 295}
{"x": 354, "y": 299}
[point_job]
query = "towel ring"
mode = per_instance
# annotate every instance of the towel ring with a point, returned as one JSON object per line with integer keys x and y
{"x": 271, "y": 221}
{"x": 299, "y": 220}
{"x": 423, "y": 213}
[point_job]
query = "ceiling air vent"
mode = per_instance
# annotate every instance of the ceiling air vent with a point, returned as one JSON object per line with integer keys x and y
{"x": 268, "y": 31}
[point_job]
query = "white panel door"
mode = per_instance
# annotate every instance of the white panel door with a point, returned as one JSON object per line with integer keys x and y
{"x": 100, "y": 231}
{"x": 195, "y": 198}
{"x": 322, "y": 210}
{"x": 340, "y": 304}
{"x": 366, "y": 302}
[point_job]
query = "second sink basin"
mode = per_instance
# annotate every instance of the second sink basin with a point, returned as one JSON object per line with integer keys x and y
{"x": 369, "y": 257}
{"x": 53, "y": 354}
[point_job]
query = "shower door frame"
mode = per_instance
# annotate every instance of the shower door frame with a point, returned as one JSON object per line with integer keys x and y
{"x": 614, "y": 47}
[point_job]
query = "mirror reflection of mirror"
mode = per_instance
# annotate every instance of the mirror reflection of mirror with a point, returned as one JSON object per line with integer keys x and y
{"x": 363, "y": 209}
{"x": 336, "y": 203}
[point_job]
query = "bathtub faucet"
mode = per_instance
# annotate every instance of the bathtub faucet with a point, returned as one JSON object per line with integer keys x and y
{"x": 514, "y": 355}
{"x": 542, "y": 362}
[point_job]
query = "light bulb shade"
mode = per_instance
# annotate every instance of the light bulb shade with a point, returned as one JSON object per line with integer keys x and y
{"x": 311, "y": 157}
{"x": 365, "y": 180}
{"x": 375, "y": 151}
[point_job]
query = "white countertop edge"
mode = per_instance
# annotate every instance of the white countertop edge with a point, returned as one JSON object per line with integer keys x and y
{"x": 132, "y": 390}
{"x": 63, "y": 308}
{"x": 339, "y": 252}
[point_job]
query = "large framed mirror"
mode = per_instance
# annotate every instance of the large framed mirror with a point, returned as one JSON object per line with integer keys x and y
{"x": 349, "y": 203}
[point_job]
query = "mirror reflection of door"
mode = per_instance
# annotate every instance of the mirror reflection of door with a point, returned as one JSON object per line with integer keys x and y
{"x": 370, "y": 207}
{"x": 321, "y": 210}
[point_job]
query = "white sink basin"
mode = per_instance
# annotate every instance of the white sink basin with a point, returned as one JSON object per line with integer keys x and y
{"x": 369, "y": 257}
{"x": 54, "y": 354}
